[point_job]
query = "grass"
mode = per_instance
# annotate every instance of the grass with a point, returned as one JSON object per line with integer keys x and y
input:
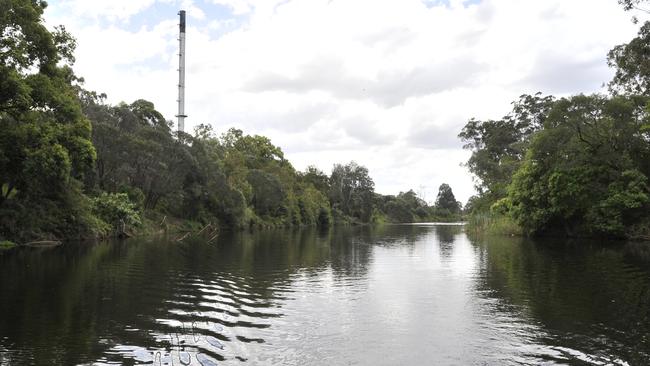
{"x": 493, "y": 224}
{"x": 6, "y": 244}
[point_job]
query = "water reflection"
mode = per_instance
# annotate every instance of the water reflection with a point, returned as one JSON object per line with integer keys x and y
{"x": 383, "y": 296}
{"x": 446, "y": 234}
{"x": 591, "y": 301}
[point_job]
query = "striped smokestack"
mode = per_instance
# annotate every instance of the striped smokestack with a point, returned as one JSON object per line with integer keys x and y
{"x": 181, "y": 73}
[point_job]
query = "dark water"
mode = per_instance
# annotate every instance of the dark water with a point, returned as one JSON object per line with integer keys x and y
{"x": 398, "y": 295}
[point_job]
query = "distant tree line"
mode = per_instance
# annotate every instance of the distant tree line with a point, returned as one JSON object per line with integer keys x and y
{"x": 575, "y": 166}
{"x": 73, "y": 166}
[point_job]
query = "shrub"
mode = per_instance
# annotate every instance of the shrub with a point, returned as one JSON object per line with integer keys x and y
{"x": 116, "y": 210}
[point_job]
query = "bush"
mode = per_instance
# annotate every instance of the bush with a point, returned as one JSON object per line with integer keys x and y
{"x": 68, "y": 216}
{"x": 116, "y": 210}
{"x": 314, "y": 207}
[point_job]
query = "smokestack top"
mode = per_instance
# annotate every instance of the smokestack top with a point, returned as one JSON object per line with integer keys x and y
{"x": 182, "y": 24}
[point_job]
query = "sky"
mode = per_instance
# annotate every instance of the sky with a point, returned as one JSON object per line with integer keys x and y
{"x": 386, "y": 83}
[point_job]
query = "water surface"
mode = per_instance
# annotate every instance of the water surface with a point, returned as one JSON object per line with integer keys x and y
{"x": 409, "y": 295}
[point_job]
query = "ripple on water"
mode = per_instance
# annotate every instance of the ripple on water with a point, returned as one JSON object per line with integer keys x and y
{"x": 410, "y": 296}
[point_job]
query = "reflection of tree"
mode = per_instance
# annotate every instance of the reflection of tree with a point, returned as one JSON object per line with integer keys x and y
{"x": 394, "y": 235}
{"x": 583, "y": 289}
{"x": 45, "y": 295}
{"x": 351, "y": 251}
{"x": 446, "y": 234}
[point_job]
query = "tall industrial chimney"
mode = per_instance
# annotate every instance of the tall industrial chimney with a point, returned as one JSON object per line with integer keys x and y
{"x": 181, "y": 73}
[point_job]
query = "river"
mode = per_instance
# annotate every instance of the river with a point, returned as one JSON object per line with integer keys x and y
{"x": 393, "y": 295}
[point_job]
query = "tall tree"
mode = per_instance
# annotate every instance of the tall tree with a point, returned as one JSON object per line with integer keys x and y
{"x": 351, "y": 190}
{"x": 631, "y": 62}
{"x": 45, "y": 147}
{"x": 498, "y": 146}
{"x": 446, "y": 200}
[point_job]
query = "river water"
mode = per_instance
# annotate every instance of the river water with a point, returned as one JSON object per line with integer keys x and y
{"x": 394, "y": 295}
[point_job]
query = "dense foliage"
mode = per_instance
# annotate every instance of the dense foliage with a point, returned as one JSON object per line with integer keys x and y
{"x": 577, "y": 166}
{"x": 234, "y": 179}
{"x": 408, "y": 207}
{"x": 45, "y": 146}
{"x": 586, "y": 171}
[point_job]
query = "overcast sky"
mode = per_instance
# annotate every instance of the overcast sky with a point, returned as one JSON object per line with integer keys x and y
{"x": 386, "y": 83}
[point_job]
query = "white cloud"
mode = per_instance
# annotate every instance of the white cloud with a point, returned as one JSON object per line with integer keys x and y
{"x": 386, "y": 83}
{"x": 192, "y": 9}
{"x": 113, "y": 9}
{"x": 242, "y": 7}
{"x": 238, "y": 6}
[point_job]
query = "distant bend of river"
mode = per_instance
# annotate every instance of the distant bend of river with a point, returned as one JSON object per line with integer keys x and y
{"x": 393, "y": 295}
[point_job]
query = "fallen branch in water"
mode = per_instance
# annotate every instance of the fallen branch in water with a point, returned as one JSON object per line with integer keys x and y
{"x": 214, "y": 237}
{"x": 205, "y": 227}
{"x": 183, "y": 237}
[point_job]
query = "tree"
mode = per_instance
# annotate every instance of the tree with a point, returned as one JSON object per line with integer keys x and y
{"x": 632, "y": 64}
{"x": 268, "y": 193}
{"x": 498, "y": 146}
{"x": 316, "y": 178}
{"x": 258, "y": 151}
{"x": 136, "y": 148}
{"x": 314, "y": 206}
{"x": 45, "y": 147}
{"x": 146, "y": 113}
{"x": 39, "y": 113}
{"x": 446, "y": 202}
{"x": 405, "y": 207}
{"x": 631, "y": 60}
{"x": 398, "y": 211}
{"x": 351, "y": 190}
{"x": 630, "y": 4}
{"x": 586, "y": 172}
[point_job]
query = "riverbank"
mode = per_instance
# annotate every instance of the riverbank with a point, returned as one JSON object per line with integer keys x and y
{"x": 493, "y": 224}
{"x": 504, "y": 225}
{"x": 154, "y": 223}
